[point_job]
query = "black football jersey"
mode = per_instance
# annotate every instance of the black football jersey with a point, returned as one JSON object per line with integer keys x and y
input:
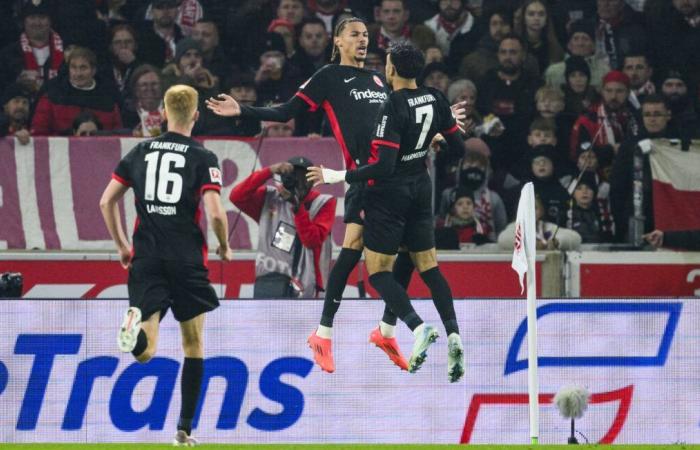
{"x": 408, "y": 121}
{"x": 351, "y": 98}
{"x": 169, "y": 174}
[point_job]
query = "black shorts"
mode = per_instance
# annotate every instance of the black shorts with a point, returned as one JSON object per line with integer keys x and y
{"x": 157, "y": 284}
{"x": 402, "y": 214}
{"x": 354, "y": 204}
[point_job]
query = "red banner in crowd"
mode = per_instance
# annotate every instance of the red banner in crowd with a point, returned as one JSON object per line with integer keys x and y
{"x": 50, "y": 189}
{"x": 676, "y": 186}
{"x": 60, "y": 278}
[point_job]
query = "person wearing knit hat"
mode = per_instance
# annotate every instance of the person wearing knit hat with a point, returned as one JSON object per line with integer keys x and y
{"x": 674, "y": 87}
{"x": 285, "y": 29}
{"x": 461, "y": 219}
{"x": 585, "y": 214}
{"x": 435, "y": 75}
{"x": 14, "y": 120}
{"x": 577, "y": 64}
{"x": 581, "y": 43}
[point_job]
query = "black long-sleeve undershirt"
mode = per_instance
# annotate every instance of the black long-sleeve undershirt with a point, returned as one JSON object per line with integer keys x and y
{"x": 280, "y": 113}
{"x": 386, "y": 161}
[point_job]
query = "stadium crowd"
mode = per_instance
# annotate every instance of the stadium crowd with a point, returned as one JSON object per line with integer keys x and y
{"x": 558, "y": 92}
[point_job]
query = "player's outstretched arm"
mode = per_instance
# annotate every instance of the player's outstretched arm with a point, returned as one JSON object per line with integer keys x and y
{"x": 224, "y": 105}
{"x": 219, "y": 223}
{"x": 109, "y": 205}
{"x": 227, "y": 106}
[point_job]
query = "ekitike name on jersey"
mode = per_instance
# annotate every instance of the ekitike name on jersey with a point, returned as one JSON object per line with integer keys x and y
{"x": 369, "y": 94}
{"x": 412, "y": 156}
{"x": 381, "y": 126}
{"x": 420, "y": 100}
{"x": 174, "y": 146}
{"x": 162, "y": 210}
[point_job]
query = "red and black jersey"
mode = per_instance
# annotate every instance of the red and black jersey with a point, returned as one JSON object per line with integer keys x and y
{"x": 408, "y": 121}
{"x": 169, "y": 174}
{"x": 350, "y": 97}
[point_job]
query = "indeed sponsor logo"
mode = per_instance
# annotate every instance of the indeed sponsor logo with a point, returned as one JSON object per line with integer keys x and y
{"x": 368, "y": 94}
{"x": 45, "y": 348}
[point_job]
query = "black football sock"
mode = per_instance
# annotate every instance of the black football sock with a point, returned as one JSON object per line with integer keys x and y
{"x": 141, "y": 343}
{"x": 395, "y": 297}
{"x": 190, "y": 386}
{"x": 442, "y": 298}
{"x": 403, "y": 271}
{"x": 338, "y": 278}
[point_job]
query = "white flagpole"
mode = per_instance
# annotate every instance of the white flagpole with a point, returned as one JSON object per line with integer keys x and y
{"x": 532, "y": 378}
{"x": 524, "y": 263}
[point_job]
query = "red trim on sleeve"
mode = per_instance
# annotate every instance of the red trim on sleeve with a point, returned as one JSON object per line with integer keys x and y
{"x": 378, "y": 142}
{"x": 209, "y": 187}
{"x": 312, "y": 104}
{"x": 451, "y": 130}
{"x": 121, "y": 180}
{"x": 338, "y": 133}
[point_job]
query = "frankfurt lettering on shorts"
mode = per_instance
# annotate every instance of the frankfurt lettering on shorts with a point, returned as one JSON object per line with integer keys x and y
{"x": 413, "y": 156}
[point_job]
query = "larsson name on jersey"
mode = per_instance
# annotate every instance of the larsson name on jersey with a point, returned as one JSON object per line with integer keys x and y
{"x": 369, "y": 94}
{"x": 174, "y": 146}
{"x": 420, "y": 100}
{"x": 162, "y": 210}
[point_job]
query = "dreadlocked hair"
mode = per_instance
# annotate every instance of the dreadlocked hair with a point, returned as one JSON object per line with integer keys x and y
{"x": 339, "y": 29}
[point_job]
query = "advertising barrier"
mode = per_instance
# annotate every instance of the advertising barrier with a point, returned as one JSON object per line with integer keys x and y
{"x": 62, "y": 379}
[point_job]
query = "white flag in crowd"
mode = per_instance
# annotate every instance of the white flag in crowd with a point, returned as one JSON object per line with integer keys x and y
{"x": 525, "y": 233}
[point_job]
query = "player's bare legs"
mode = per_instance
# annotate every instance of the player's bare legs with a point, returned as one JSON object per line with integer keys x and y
{"x": 379, "y": 266}
{"x": 426, "y": 263}
{"x": 350, "y": 254}
{"x": 192, "y": 332}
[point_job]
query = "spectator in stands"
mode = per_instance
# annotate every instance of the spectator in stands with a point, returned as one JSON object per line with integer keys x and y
{"x": 579, "y": 95}
{"x": 66, "y": 97}
{"x": 508, "y": 92}
{"x": 433, "y": 53}
{"x": 187, "y": 68}
{"x": 686, "y": 240}
{"x": 285, "y": 29}
{"x": 291, "y": 10}
{"x": 585, "y": 217}
{"x": 242, "y": 89}
{"x": 328, "y": 11}
{"x": 619, "y": 31}
{"x": 278, "y": 129}
{"x": 464, "y": 91}
{"x": 122, "y": 52}
{"x": 294, "y": 247}
{"x": 549, "y": 102}
{"x": 214, "y": 57}
{"x": 636, "y": 66}
{"x": 554, "y": 197}
{"x": 188, "y": 12}
{"x": 456, "y": 31}
{"x": 484, "y": 58}
{"x": 159, "y": 36}
{"x": 375, "y": 59}
{"x": 312, "y": 49}
{"x": 14, "y": 121}
{"x": 550, "y": 236}
{"x": 435, "y": 75}
{"x": 143, "y": 112}
{"x": 656, "y": 121}
{"x": 38, "y": 55}
{"x": 461, "y": 219}
{"x": 391, "y": 24}
{"x": 676, "y": 37}
{"x": 533, "y": 23}
{"x": 674, "y": 88}
{"x": 606, "y": 122}
{"x": 565, "y": 13}
{"x": 581, "y": 43}
{"x": 275, "y": 78}
{"x": 472, "y": 176}
{"x": 86, "y": 124}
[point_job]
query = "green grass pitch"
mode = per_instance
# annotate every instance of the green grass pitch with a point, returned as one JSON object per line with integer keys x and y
{"x": 342, "y": 447}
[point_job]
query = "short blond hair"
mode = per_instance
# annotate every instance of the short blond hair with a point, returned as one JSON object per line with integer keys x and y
{"x": 181, "y": 103}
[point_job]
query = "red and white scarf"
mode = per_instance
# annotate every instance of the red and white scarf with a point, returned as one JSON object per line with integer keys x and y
{"x": 55, "y": 56}
{"x": 484, "y": 213}
{"x": 384, "y": 40}
{"x": 151, "y": 121}
{"x": 611, "y": 127}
